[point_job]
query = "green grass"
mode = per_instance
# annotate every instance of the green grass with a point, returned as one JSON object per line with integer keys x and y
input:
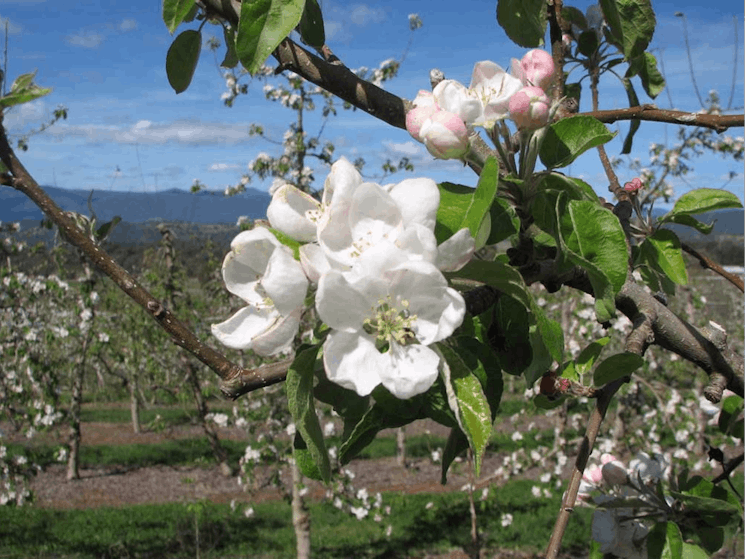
{"x": 150, "y": 531}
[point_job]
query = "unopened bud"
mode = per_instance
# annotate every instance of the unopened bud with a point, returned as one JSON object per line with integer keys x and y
{"x": 529, "y": 108}
{"x": 445, "y": 135}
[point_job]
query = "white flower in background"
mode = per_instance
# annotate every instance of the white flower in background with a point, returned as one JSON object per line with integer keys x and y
{"x": 262, "y": 272}
{"x": 648, "y": 467}
{"x": 384, "y": 313}
{"x": 506, "y": 519}
{"x": 623, "y": 538}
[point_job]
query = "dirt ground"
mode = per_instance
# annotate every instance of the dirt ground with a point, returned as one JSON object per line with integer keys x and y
{"x": 121, "y": 486}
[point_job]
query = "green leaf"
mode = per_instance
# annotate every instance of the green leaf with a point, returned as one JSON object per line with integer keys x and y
{"x": 182, "y": 58}
{"x": 715, "y": 512}
{"x": 594, "y": 233}
{"x": 504, "y": 221}
{"x": 570, "y": 137}
{"x": 662, "y": 252}
{"x": 652, "y": 80}
{"x": 304, "y": 460}
{"x": 631, "y": 23}
{"x": 509, "y": 335}
{"x": 456, "y": 444}
{"x": 362, "y": 434}
{"x": 262, "y": 26}
{"x": 524, "y": 21}
{"x": 301, "y": 403}
{"x": 467, "y": 400}
{"x": 690, "y": 221}
{"x": 574, "y": 16}
{"x": 615, "y": 367}
{"x": 730, "y": 418}
{"x": 665, "y": 541}
{"x": 691, "y": 551}
{"x": 586, "y": 359}
{"x": 703, "y": 200}
{"x": 575, "y": 189}
{"x": 542, "y": 358}
{"x": 635, "y": 123}
{"x": 23, "y": 90}
{"x": 288, "y": 241}
{"x": 231, "y": 58}
{"x": 311, "y": 25}
{"x": 588, "y": 43}
{"x": 463, "y": 207}
{"x": 480, "y": 359}
{"x": 175, "y": 11}
{"x": 497, "y": 274}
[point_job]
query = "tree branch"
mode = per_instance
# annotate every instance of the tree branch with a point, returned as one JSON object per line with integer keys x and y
{"x": 235, "y": 379}
{"x": 720, "y": 123}
{"x": 709, "y": 264}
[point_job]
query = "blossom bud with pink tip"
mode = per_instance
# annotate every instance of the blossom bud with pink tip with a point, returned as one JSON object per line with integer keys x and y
{"x": 536, "y": 68}
{"x": 614, "y": 473}
{"x": 634, "y": 185}
{"x": 445, "y": 135}
{"x": 529, "y": 108}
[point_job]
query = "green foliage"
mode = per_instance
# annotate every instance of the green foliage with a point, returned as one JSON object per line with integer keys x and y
{"x": 263, "y": 25}
{"x": 23, "y": 90}
{"x": 631, "y": 23}
{"x": 182, "y": 58}
{"x": 615, "y": 367}
{"x": 524, "y": 21}
{"x": 570, "y": 137}
{"x": 311, "y": 25}
{"x": 175, "y": 12}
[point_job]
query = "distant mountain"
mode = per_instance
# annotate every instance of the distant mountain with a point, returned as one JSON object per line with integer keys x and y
{"x": 139, "y": 207}
{"x": 726, "y": 222}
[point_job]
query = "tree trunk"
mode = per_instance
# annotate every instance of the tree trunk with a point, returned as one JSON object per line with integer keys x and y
{"x": 73, "y": 459}
{"x": 218, "y": 450}
{"x": 134, "y": 402}
{"x": 401, "y": 447}
{"x": 300, "y": 516}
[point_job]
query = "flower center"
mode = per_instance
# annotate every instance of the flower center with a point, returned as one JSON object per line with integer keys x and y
{"x": 390, "y": 324}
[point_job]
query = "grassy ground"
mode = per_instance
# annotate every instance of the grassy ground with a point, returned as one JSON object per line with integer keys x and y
{"x": 170, "y": 530}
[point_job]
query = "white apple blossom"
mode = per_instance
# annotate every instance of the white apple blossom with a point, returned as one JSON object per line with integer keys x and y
{"x": 493, "y": 87}
{"x": 383, "y": 313}
{"x": 262, "y": 272}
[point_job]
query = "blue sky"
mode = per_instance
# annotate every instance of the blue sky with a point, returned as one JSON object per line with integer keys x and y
{"x": 127, "y": 130}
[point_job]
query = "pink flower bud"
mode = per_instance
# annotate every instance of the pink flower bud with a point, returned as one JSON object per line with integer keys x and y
{"x": 416, "y": 117}
{"x": 593, "y": 475}
{"x": 445, "y": 135}
{"x": 634, "y": 185}
{"x": 529, "y": 108}
{"x": 566, "y": 40}
{"x": 614, "y": 473}
{"x": 536, "y": 68}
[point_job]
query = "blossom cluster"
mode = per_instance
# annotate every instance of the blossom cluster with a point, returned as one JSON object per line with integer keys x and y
{"x": 370, "y": 253}
{"x": 444, "y": 119}
{"x": 616, "y": 528}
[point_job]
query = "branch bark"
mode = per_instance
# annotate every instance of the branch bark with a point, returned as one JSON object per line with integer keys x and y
{"x": 720, "y": 123}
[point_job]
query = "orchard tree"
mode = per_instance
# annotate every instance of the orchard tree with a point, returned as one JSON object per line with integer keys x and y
{"x": 414, "y": 320}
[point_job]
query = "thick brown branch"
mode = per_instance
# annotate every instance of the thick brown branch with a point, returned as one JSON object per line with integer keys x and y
{"x": 333, "y": 77}
{"x": 236, "y": 380}
{"x": 720, "y": 123}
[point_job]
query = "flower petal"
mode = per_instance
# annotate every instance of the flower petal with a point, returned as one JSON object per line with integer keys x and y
{"x": 411, "y": 370}
{"x": 314, "y": 261}
{"x": 418, "y": 200}
{"x": 284, "y": 281}
{"x": 339, "y": 304}
{"x": 259, "y": 328}
{"x": 455, "y": 252}
{"x": 246, "y": 262}
{"x": 351, "y": 360}
{"x": 289, "y": 210}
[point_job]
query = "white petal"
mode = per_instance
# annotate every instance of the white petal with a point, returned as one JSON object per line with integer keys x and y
{"x": 352, "y": 361}
{"x": 261, "y": 329}
{"x": 246, "y": 262}
{"x": 412, "y": 370}
{"x": 339, "y": 304}
{"x": 419, "y": 242}
{"x": 343, "y": 179}
{"x": 456, "y": 252}
{"x": 452, "y": 96}
{"x": 373, "y": 216}
{"x": 288, "y": 212}
{"x": 314, "y": 261}
{"x": 284, "y": 281}
{"x": 418, "y": 200}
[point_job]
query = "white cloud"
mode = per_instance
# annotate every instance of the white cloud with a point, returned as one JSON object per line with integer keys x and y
{"x": 185, "y": 132}
{"x": 362, "y": 14}
{"x": 223, "y": 166}
{"x": 22, "y": 116}
{"x": 13, "y": 29}
{"x": 404, "y": 149}
{"x": 85, "y": 39}
{"x": 127, "y": 25}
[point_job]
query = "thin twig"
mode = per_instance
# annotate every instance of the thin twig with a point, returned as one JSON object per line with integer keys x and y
{"x": 709, "y": 264}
